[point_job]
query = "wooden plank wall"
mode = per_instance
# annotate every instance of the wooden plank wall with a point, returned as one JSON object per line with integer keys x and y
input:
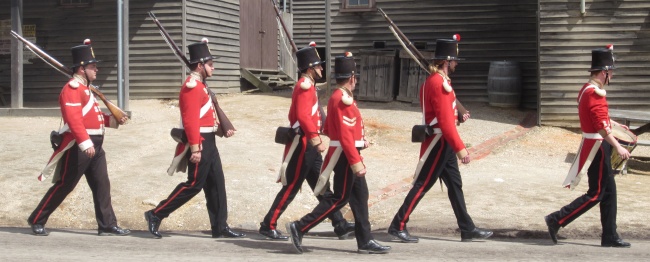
{"x": 491, "y": 30}
{"x": 57, "y": 30}
{"x": 566, "y": 39}
{"x": 154, "y": 70}
{"x": 219, "y": 22}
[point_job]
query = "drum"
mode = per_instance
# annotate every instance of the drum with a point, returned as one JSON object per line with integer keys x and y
{"x": 627, "y": 139}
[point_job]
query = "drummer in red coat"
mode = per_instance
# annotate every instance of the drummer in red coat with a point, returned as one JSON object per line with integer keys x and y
{"x": 199, "y": 154}
{"x": 439, "y": 150}
{"x": 81, "y": 150}
{"x": 344, "y": 126}
{"x": 302, "y": 158}
{"x": 594, "y": 155}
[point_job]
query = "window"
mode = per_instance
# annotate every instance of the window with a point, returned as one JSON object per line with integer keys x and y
{"x": 358, "y": 6}
{"x": 75, "y": 3}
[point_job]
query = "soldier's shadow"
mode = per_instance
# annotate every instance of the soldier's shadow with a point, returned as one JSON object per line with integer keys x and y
{"x": 528, "y": 237}
{"x": 280, "y": 247}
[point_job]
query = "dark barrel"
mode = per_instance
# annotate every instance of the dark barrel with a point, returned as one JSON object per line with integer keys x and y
{"x": 504, "y": 84}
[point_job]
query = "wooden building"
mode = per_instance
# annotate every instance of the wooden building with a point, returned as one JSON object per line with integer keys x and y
{"x": 153, "y": 70}
{"x": 566, "y": 38}
{"x": 553, "y": 47}
{"x": 491, "y": 30}
{"x": 550, "y": 39}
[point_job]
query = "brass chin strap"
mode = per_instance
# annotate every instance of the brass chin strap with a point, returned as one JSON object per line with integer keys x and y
{"x": 205, "y": 72}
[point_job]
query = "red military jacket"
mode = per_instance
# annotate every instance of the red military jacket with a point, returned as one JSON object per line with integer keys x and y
{"x": 594, "y": 116}
{"x": 197, "y": 110}
{"x": 593, "y": 110}
{"x": 439, "y": 107}
{"x": 304, "y": 110}
{"x": 344, "y": 126}
{"x": 81, "y": 114}
{"x": 82, "y": 117}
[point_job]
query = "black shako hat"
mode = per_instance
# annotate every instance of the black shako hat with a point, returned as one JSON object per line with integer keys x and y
{"x": 602, "y": 58}
{"x": 447, "y": 49}
{"x": 83, "y": 54}
{"x": 200, "y": 52}
{"x": 344, "y": 66}
{"x": 308, "y": 57}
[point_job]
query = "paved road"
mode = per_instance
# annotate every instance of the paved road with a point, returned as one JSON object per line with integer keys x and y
{"x": 17, "y": 244}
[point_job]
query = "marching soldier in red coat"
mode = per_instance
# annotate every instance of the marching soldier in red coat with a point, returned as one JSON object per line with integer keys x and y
{"x": 302, "y": 157}
{"x": 80, "y": 151}
{"x": 344, "y": 126}
{"x": 204, "y": 170}
{"x": 439, "y": 150}
{"x": 594, "y": 155}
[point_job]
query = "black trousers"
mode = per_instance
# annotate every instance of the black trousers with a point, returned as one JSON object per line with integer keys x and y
{"x": 207, "y": 175}
{"x": 602, "y": 190}
{"x": 72, "y": 166}
{"x": 441, "y": 163}
{"x": 306, "y": 164}
{"x": 347, "y": 188}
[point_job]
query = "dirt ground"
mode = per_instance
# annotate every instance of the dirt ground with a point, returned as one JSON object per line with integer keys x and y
{"x": 508, "y": 191}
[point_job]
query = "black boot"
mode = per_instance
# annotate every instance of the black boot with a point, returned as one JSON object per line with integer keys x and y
{"x": 343, "y": 229}
{"x": 614, "y": 241}
{"x": 402, "y": 235}
{"x": 226, "y": 233}
{"x": 373, "y": 247}
{"x": 476, "y": 233}
{"x": 113, "y": 231}
{"x": 271, "y": 234}
{"x": 553, "y": 228}
{"x": 295, "y": 236}
{"x": 38, "y": 229}
{"x": 153, "y": 223}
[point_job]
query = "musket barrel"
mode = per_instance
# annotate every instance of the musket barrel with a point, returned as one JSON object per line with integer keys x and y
{"x": 421, "y": 60}
{"x": 284, "y": 26}
{"x": 115, "y": 111}
{"x": 223, "y": 119}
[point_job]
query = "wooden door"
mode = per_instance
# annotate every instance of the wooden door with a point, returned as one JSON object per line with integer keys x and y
{"x": 258, "y": 35}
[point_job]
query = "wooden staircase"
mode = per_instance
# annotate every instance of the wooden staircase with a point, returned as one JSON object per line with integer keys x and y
{"x": 267, "y": 80}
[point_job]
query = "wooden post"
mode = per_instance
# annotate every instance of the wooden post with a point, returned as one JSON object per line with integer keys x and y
{"x": 16, "y": 55}
{"x": 184, "y": 35}
{"x": 120, "y": 54}
{"x": 125, "y": 54}
{"x": 328, "y": 44}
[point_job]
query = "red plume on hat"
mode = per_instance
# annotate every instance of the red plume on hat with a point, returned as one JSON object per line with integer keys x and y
{"x": 86, "y": 41}
{"x": 204, "y": 40}
{"x": 312, "y": 43}
{"x": 610, "y": 47}
{"x": 348, "y": 54}
{"x": 457, "y": 37}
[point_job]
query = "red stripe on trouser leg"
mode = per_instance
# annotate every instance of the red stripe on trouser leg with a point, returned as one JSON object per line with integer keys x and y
{"x": 333, "y": 207}
{"x": 65, "y": 172}
{"x": 287, "y": 193}
{"x": 420, "y": 193}
{"x": 196, "y": 170}
{"x": 595, "y": 197}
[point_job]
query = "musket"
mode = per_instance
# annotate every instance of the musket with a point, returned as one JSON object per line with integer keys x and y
{"x": 117, "y": 113}
{"x": 284, "y": 27}
{"x": 293, "y": 46}
{"x": 416, "y": 55}
{"x": 224, "y": 123}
